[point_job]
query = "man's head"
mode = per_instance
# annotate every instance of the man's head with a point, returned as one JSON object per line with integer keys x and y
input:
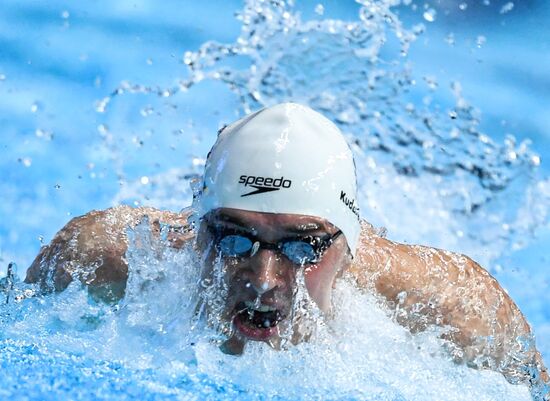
{"x": 279, "y": 196}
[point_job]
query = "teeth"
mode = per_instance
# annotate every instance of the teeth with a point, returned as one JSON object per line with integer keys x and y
{"x": 260, "y": 308}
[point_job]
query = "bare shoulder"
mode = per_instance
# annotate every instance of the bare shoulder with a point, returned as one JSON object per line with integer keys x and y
{"x": 92, "y": 247}
{"x": 425, "y": 286}
{"x": 392, "y": 266}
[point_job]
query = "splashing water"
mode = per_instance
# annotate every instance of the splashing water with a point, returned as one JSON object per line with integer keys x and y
{"x": 429, "y": 159}
{"x": 156, "y": 340}
{"x": 354, "y": 73}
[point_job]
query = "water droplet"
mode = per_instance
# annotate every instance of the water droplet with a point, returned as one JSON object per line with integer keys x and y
{"x": 419, "y": 29}
{"x": 57, "y": 186}
{"x": 188, "y": 58}
{"x": 40, "y": 133}
{"x": 198, "y": 162}
{"x": 144, "y": 180}
{"x": 26, "y": 161}
{"x": 101, "y": 105}
{"x": 484, "y": 138}
{"x": 507, "y": 7}
{"x": 463, "y": 6}
{"x": 453, "y": 114}
{"x": 147, "y": 111}
{"x": 137, "y": 141}
{"x": 450, "y": 39}
{"x": 430, "y": 14}
{"x": 34, "y": 107}
{"x": 535, "y": 160}
{"x": 480, "y": 41}
{"x": 102, "y": 129}
{"x": 319, "y": 9}
{"x": 431, "y": 82}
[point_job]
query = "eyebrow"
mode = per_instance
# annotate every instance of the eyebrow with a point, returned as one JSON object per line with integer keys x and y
{"x": 304, "y": 228}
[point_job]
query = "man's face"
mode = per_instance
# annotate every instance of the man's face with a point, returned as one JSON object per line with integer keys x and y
{"x": 262, "y": 284}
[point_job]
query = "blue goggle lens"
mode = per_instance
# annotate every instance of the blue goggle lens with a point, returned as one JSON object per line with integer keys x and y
{"x": 299, "y": 252}
{"x": 235, "y": 245}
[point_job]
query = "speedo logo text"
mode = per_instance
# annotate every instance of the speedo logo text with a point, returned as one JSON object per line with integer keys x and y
{"x": 263, "y": 184}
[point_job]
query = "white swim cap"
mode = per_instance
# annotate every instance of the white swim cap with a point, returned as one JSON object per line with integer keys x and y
{"x": 284, "y": 159}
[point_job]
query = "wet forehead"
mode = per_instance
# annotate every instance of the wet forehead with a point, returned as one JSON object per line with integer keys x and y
{"x": 266, "y": 222}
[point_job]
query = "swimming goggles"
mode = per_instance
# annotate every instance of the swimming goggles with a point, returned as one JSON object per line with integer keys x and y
{"x": 299, "y": 250}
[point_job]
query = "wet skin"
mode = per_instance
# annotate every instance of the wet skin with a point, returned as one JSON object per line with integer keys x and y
{"x": 420, "y": 286}
{"x": 268, "y": 278}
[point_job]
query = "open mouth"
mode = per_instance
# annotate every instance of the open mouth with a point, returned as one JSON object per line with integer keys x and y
{"x": 257, "y": 322}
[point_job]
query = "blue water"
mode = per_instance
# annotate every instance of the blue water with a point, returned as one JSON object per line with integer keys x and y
{"x": 467, "y": 80}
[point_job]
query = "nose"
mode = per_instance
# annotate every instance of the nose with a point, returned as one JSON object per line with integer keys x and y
{"x": 265, "y": 273}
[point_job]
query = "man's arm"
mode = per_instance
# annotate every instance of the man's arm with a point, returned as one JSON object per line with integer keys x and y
{"x": 91, "y": 248}
{"x": 426, "y": 287}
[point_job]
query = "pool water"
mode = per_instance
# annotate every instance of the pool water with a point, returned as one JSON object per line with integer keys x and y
{"x": 105, "y": 104}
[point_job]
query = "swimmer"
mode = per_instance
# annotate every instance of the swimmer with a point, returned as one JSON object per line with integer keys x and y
{"x": 278, "y": 196}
